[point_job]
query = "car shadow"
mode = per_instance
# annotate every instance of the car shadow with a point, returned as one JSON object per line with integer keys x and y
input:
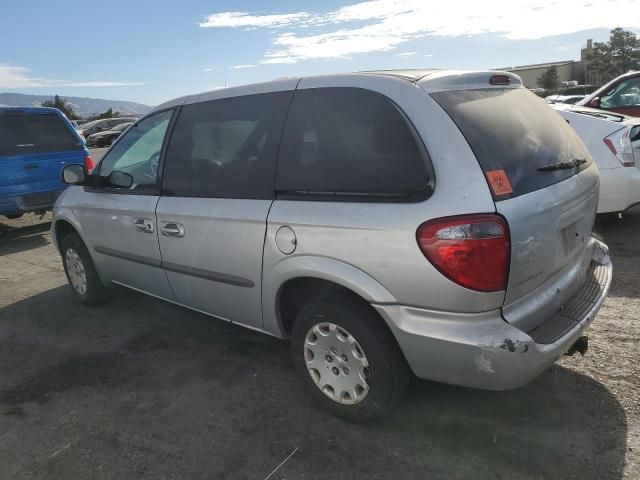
{"x": 22, "y": 238}
{"x": 140, "y": 381}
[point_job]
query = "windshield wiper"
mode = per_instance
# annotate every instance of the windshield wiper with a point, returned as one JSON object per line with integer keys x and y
{"x": 562, "y": 166}
{"x": 600, "y": 115}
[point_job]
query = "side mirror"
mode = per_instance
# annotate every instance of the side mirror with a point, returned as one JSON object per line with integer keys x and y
{"x": 74, "y": 174}
{"x": 595, "y": 103}
{"x": 120, "y": 179}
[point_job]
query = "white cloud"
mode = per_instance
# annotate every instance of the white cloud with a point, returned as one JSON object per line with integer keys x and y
{"x": 242, "y": 67}
{"x": 406, "y": 54}
{"x": 96, "y": 84}
{"x": 242, "y": 19}
{"x": 18, "y": 77}
{"x": 383, "y": 25}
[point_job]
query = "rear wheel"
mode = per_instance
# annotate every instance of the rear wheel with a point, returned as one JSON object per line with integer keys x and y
{"x": 81, "y": 272}
{"x": 349, "y": 362}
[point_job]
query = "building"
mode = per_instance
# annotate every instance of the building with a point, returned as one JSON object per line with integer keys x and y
{"x": 568, "y": 70}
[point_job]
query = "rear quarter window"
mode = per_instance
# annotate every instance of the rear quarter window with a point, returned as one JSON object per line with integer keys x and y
{"x": 513, "y": 133}
{"x": 23, "y": 133}
{"x": 352, "y": 144}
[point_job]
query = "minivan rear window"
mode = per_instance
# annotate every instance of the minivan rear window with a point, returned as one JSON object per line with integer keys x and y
{"x": 513, "y": 133}
{"x": 22, "y": 133}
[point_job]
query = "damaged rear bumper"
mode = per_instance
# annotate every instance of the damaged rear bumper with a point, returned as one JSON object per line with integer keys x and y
{"x": 483, "y": 350}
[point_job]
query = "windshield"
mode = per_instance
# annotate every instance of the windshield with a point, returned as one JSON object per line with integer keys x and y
{"x": 122, "y": 126}
{"x": 89, "y": 125}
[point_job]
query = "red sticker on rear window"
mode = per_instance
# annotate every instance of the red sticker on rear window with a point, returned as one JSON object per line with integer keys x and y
{"x": 499, "y": 182}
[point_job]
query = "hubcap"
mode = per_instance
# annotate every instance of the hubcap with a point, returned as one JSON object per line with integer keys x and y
{"x": 336, "y": 363}
{"x": 76, "y": 272}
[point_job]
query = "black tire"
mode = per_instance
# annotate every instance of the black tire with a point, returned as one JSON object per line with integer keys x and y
{"x": 388, "y": 372}
{"x": 96, "y": 291}
{"x": 14, "y": 216}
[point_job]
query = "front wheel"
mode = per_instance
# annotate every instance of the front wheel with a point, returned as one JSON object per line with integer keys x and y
{"x": 81, "y": 272}
{"x": 349, "y": 361}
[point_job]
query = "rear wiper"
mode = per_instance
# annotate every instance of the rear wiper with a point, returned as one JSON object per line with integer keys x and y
{"x": 562, "y": 166}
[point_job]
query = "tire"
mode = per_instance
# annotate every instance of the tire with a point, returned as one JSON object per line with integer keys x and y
{"x": 387, "y": 374}
{"x": 14, "y": 216}
{"x": 77, "y": 263}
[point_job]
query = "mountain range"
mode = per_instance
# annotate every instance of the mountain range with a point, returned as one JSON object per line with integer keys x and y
{"x": 84, "y": 107}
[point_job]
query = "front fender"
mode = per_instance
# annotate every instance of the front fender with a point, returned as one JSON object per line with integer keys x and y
{"x": 323, "y": 268}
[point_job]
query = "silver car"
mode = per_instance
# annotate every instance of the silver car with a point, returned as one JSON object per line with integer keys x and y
{"x": 386, "y": 223}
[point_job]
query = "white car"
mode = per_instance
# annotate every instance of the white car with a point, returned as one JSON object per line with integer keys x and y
{"x": 569, "y": 99}
{"x": 614, "y": 142}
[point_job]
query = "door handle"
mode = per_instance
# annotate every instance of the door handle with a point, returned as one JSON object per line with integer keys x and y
{"x": 172, "y": 229}
{"x": 143, "y": 225}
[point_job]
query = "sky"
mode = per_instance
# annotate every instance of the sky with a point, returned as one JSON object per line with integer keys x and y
{"x": 150, "y": 51}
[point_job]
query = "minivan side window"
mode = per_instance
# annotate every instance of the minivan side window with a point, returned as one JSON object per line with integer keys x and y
{"x": 226, "y": 147}
{"x": 353, "y": 143}
{"x": 138, "y": 153}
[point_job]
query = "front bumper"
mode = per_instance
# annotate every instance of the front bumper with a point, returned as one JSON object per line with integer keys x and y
{"x": 483, "y": 350}
{"x": 31, "y": 202}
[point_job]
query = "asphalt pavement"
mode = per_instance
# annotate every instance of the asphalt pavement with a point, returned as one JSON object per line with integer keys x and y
{"x": 140, "y": 388}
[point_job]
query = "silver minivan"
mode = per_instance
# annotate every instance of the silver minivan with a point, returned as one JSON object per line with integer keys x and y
{"x": 386, "y": 223}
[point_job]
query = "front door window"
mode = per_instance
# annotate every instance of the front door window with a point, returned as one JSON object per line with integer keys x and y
{"x": 138, "y": 153}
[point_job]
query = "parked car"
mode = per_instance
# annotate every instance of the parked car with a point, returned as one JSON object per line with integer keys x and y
{"x": 614, "y": 143}
{"x": 76, "y": 127}
{"x": 103, "y": 125}
{"x": 35, "y": 143}
{"x": 107, "y": 137}
{"x": 387, "y": 223}
{"x": 568, "y": 99}
{"x": 620, "y": 95}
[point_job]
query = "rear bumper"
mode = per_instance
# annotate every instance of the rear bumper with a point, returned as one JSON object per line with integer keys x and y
{"x": 28, "y": 202}
{"x": 483, "y": 350}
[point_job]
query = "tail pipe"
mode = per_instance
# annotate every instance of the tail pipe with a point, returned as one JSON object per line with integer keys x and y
{"x": 581, "y": 345}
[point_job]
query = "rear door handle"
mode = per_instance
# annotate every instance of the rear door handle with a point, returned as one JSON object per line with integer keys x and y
{"x": 143, "y": 225}
{"x": 172, "y": 229}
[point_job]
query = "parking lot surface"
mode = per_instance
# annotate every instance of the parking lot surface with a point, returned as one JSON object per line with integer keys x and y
{"x": 140, "y": 388}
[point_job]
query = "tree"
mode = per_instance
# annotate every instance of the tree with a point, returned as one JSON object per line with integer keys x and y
{"x": 549, "y": 79}
{"x": 615, "y": 57}
{"x": 62, "y": 105}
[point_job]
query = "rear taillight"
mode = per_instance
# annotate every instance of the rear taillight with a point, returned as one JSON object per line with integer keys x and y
{"x": 88, "y": 163}
{"x": 471, "y": 250}
{"x": 620, "y": 146}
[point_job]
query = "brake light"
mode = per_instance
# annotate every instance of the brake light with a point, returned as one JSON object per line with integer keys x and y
{"x": 500, "y": 80}
{"x": 88, "y": 163}
{"x": 471, "y": 250}
{"x": 624, "y": 150}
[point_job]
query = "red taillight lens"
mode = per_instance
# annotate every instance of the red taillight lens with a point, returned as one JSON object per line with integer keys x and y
{"x": 611, "y": 146}
{"x": 88, "y": 163}
{"x": 471, "y": 250}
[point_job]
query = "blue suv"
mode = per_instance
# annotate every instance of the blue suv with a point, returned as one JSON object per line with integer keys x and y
{"x": 35, "y": 143}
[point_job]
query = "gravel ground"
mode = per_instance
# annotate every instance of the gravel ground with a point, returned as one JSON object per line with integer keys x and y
{"x": 142, "y": 389}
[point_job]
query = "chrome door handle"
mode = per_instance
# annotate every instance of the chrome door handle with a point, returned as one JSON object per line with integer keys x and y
{"x": 172, "y": 229}
{"x": 143, "y": 225}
